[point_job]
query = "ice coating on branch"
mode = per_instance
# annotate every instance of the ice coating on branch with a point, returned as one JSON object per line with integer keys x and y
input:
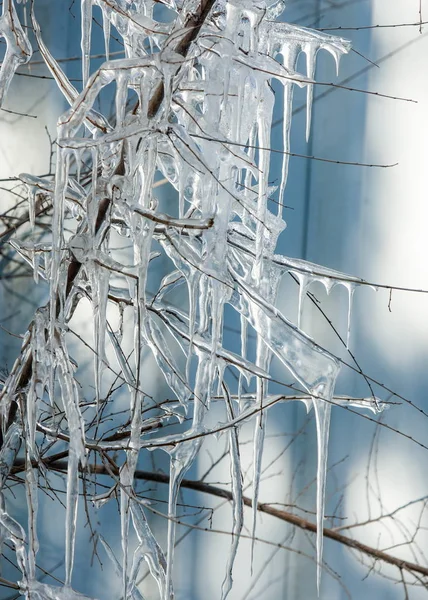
{"x": 192, "y": 108}
{"x": 9, "y": 451}
{"x": 18, "y": 48}
{"x": 11, "y": 530}
{"x": 43, "y": 591}
{"x": 148, "y": 550}
{"x": 134, "y": 594}
{"x": 94, "y": 119}
{"x": 307, "y": 272}
{"x": 372, "y": 403}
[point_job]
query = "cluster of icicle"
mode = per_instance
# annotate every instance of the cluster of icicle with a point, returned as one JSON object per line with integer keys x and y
{"x": 200, "y": 116}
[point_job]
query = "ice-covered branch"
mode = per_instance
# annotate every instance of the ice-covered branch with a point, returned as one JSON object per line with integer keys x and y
{"x": 193, "y": 108}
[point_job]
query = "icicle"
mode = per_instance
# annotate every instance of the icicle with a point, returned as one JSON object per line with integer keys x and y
{"x": 36, "y": 261}
{"x": 263, "y": 359}
{"x": 32, "y": 196}
{"x": 121, "y": 96}
{"x": 311, "y": 53}
{"x": 78, "y": 161}
{"x": 57, "y": 294}
{"x": 85, "y": 44}
{"x": 264, "y": 117}
{"x": 99, "y": 278}
{"x": 126, "y": 491}
{"x": 31, "y": 407}
{"x": 9, "y": 451}
{"x": 127, "y": 472}
{"x": 238, "y": 505}
{"x": 337, "y": 57}
{"x": 106, "y": 31}
{"x": 259, "y": 438}
{"x": 76, "y": 451}
{"x": 322, "y": 416}
{"x": 203, "y": 304}
{"x": 32, "y": 506}
{"x": 193, "y": 287}
{"x": 327, "y": 282}
{"x": 181, "y": 459}
{"x": 304, "y": 283}
{"x": 240, "y": 109}
{"x": 351, "y": 289}
{"x": 286, "y": 129}
{"x": 71, "y": 512}
{"x": 243, "y": 354}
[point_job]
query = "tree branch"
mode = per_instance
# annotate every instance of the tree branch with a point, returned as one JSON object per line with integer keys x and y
{"x": 192, "y": 27}
{"x": 283, "y": 515}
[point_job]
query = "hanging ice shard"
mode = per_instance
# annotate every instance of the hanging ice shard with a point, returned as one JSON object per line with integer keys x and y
{"x": 9, "y": 450}
{"x": 322, "y": 416}
{"x": 238, "y": 504}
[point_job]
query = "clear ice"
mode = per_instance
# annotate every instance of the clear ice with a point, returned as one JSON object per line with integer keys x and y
{"x": 193, "y": 106}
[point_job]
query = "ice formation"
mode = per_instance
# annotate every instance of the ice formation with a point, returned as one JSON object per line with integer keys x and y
{"x": 194, "y": 105}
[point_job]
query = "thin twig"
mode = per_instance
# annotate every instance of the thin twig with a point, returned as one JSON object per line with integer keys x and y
{"x": 207, "y": 488}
